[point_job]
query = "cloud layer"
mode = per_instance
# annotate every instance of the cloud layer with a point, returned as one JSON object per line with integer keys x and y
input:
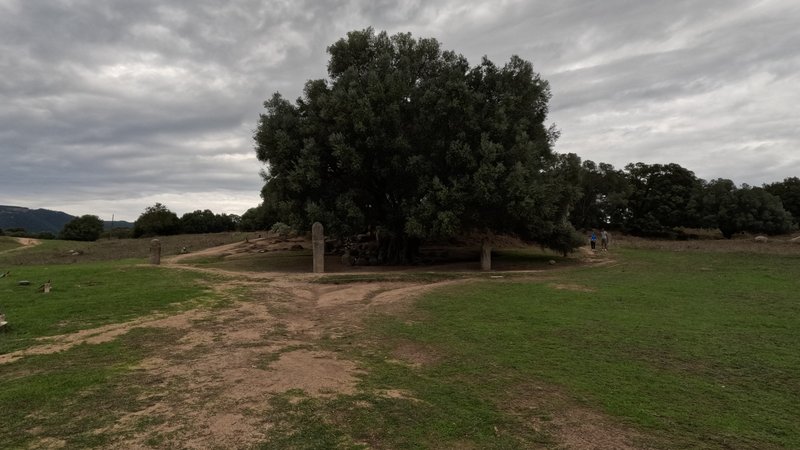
{"x": 109, "y": 106}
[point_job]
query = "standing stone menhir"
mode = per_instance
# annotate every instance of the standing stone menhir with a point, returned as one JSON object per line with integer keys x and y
{"x": 155, "y": 252}
{"x": 486, "y": 255}
{"x": 318, "y": 247}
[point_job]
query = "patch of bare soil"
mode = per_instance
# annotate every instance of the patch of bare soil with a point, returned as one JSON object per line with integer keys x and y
{"x": 572, "y": 287}
{"x": 28, "y": 242}
{"x": 415, "y": 355}
{"x": 595, "y": 257}
{"x": 546, "y": 410}
{"x": 216, "y": 381}
{"x": 582, "y": 428}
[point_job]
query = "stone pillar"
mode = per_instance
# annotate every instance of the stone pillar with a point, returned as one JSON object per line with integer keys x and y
{"x": 155, "y": 252}
{"x": 318, "y": 247}
{"x": 486, "y": 255}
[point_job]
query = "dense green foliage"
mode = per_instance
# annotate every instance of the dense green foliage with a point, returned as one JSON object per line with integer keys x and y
{"x": 261, "y": 217}
{"x": 207, "y": 222}
{"x": 657, "y": 199}
{"x": 754, "y": 210}
{"x": 661, "y": 197}
{"x": 408, "y": 140}
{"x": 788, "y": 191}
{"x": 84, "y": 228}
{"x": 156, "y": 220}
{"x": 604, "y": 200}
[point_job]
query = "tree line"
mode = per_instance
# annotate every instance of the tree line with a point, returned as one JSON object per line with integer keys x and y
{"x": 156, "y": 220}
{"x": 660, "y": 199}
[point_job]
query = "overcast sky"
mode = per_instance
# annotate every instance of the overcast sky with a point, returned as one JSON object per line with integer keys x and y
{"x": 107, "y": 107}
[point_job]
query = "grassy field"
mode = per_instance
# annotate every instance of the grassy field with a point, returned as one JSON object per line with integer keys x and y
{"x": 71, "y": 252}
{"x": 688, "y": 350}
{"x": 7, "y": 243}
{"x": 674, "y": 347}
{"x": 89, "y": 295}
{"x": 71, "y": 399}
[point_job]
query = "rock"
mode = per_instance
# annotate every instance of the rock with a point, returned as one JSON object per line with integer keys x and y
{"x": 551, "y": 262}
{"x": 761, "y": 239}
{"x": 347, "y": 260}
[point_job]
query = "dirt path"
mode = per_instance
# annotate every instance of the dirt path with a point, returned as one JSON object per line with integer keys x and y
{"x": 25, "y": 242}
{"x": 230, "y": 362}
{"x": 213, "y": 384}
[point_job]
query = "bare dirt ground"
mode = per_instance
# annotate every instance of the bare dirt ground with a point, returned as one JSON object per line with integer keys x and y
{"x": 28, "y": 241}
{"x": 211, "y": 387}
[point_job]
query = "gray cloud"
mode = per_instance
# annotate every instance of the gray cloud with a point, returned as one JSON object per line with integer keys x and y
{"x": 110, "y": 106}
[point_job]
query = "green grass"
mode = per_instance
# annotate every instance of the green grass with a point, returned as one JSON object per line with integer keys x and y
{"x": 698, "y": 349}
{"x": 7, "y": 243}
{"x": 75, "y": 396}
{"x": 689, "y": 350}
{"x": 51, "y": 252}
{"x": 294, "y": 261}
{"x": 88, "y": 295}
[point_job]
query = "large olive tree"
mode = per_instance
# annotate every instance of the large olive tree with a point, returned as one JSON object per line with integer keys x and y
{"x": 409, "y": 140}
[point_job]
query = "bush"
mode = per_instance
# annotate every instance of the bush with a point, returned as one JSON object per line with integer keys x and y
{"x": 282, "y": 230}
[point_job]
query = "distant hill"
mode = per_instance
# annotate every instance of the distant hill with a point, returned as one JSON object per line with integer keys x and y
{"x": 42, "y": 220}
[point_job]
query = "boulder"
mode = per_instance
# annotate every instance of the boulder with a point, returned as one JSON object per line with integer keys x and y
{"x": 761, "y": 239}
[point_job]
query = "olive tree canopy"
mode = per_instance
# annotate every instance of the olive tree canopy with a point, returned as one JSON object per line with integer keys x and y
{"x": 410, "y": 141}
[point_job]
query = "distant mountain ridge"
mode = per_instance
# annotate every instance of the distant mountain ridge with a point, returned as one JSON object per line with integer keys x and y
{"x": 42, "y": 220}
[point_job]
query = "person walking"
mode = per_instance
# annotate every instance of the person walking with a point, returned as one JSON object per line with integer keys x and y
{"x": 593, "y": 240}
{"x": 603, "y": 240}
